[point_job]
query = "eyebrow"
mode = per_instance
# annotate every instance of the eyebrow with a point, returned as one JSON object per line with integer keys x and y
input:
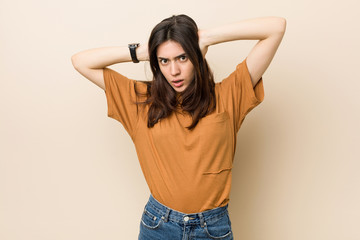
{"x": 181, "y": 55}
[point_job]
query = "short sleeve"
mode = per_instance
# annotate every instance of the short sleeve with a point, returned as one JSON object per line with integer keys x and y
{"x": 120, "y": 95}
{"x": 239, "y": 96}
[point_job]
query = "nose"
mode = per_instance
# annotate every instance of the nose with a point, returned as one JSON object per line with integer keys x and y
{"x": 175, "y": 70}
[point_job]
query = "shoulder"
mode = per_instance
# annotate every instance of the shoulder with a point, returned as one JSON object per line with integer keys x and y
{"x": 239, "y": 74}
{"x": 142, "y": 87}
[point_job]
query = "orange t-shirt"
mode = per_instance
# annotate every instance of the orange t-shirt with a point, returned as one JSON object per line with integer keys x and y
{"x": 188, "y": 171}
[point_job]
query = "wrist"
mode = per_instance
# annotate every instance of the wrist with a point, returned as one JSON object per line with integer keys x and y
{"x": 203, "y": 38}
{"x": 203, "y": 42}
{"x": 142, "y": 53}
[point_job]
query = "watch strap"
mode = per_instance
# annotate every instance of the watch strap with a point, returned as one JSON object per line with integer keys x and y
{"x": 132, "y": 48}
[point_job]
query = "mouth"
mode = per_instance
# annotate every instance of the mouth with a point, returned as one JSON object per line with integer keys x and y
{"x": 178, "y": 83}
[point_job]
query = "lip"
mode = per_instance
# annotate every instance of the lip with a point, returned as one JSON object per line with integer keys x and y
{"x": 176, "y": 80}
{"x": 180, "y": 83}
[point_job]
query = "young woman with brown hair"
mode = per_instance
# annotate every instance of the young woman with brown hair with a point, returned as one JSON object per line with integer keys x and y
{"x": 182, "y": 123}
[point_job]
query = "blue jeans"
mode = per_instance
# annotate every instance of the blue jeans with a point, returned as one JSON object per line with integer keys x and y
{"x": 159, "y": 222}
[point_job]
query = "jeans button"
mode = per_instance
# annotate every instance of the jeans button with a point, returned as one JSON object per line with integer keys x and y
{"x": 186, "y": 218}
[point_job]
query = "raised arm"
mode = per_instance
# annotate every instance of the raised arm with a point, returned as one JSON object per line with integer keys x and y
{"x": 268, "y": 30}
{"x": 90, "y": 63}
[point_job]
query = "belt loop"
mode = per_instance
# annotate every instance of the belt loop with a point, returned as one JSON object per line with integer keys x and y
{"x": 166, "y": 217}
{"x": 202, "y": 220}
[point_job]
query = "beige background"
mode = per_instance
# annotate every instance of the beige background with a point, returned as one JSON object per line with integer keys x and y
{"x": 68, "y": 172}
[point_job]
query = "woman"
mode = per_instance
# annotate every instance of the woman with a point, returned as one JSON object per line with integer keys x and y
{"x": 182, "y": 123}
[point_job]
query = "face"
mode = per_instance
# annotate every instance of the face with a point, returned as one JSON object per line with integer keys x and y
{"x": 175, "y": 65}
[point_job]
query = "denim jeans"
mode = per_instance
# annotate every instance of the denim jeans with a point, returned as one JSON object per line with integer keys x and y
{"x": 159, "y": 222}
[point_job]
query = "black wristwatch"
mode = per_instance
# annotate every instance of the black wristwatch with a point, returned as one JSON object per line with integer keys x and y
{"x": 132, "y": 47}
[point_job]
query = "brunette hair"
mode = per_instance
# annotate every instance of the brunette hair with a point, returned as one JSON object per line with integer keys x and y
{"x": 198, "y": 98}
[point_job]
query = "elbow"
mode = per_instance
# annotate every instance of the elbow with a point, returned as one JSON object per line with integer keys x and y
{"x": 74, "y": 61}
{"x": 281, "y": 25}
{"x": 277, "y": 26}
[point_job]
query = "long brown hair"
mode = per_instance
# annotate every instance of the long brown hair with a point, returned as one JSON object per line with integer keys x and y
{"x": 198, "y": 98}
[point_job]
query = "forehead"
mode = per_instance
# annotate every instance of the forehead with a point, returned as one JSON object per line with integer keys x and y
{"x": 169, "y": 49}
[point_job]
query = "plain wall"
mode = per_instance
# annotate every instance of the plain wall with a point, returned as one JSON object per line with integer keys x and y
{"x": 68, "y": 172}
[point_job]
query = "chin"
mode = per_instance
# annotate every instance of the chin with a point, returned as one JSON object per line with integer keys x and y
{"x": 179, "y": 90}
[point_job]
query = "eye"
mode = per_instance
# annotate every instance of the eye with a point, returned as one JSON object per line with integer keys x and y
{"x": 163, "y": 61}
{"x": 183, "y": 58}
